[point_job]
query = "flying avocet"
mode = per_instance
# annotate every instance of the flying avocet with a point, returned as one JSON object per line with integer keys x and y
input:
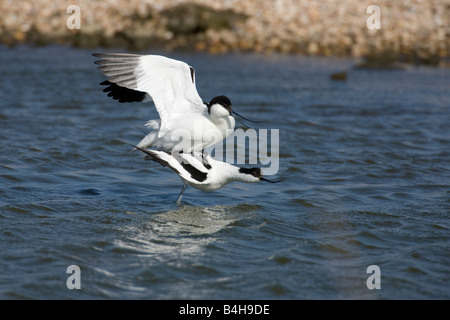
{"x": 187, "y": 123}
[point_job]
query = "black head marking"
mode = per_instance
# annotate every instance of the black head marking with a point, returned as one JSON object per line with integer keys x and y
{"x": 256, "y": 172}
{"x": 222, "y": 100}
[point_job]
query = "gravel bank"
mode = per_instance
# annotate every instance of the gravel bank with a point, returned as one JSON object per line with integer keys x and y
{"x": 415, "y": 29}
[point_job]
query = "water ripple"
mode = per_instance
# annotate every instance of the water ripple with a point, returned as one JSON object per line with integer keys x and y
{"x": 365, "y": 181}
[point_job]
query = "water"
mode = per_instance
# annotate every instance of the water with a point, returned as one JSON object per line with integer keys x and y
{"x": 365, "y": 165}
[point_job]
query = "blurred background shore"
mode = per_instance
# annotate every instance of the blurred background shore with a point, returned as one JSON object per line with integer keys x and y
{"x": 416, "y": 31}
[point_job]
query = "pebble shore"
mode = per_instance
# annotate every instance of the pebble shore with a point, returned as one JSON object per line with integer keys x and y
{"x": 414, "y": 28}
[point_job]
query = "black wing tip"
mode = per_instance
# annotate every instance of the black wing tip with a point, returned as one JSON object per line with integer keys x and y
{"x": 154, "y": 157}
{"x": 119, "y": 93}
{"x": 122, "y": 94}
{"x": 138, "y": 148}
{"x": 149, "y": 154}
{"x": 112, "y": 55}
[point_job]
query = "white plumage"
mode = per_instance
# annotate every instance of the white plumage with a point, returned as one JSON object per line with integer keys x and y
{"x": 186, "y": 122}
{"x": 202, "y": 172}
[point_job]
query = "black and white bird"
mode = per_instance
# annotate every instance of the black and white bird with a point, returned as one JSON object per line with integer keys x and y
{"x": 202, "y": 172}
{"x": 186, "y": 122}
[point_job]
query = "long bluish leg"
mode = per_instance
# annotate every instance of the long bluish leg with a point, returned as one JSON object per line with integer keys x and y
{"x": 181, "y": 193}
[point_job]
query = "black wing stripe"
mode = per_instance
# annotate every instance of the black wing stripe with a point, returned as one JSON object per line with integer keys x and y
{"x": 194, "y": 172}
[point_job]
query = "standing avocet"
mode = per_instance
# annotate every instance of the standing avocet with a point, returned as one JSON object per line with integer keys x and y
{"x": 202, "y": 172}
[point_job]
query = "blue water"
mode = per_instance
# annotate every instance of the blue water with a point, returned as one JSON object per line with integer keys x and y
{"x": 364, "y": 162}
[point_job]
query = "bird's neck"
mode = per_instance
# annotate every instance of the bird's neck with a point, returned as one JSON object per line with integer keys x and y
{"x": 219, "y": 115}
{"x": 219, "y": 120}
{"x": 223, "y": 122}
{"x": 227, "y": 172}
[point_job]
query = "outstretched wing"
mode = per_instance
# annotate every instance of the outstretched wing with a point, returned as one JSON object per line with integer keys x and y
{"x": 170, "y": 83}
